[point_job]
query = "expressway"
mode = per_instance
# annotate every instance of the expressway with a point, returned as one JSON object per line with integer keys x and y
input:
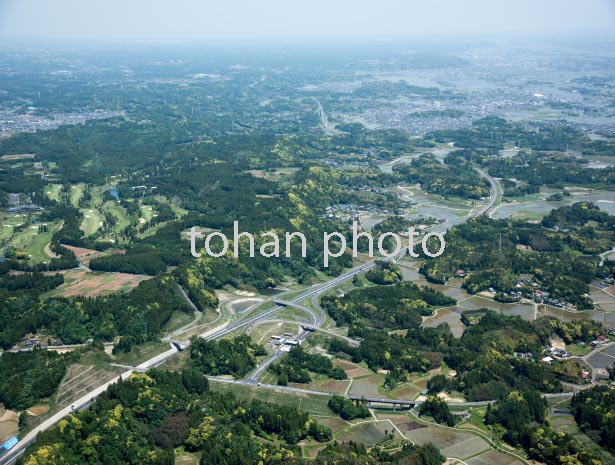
{"x": 494, "y": 192}
{"x": 319, "y": 289}
{"x": 383, "y": 400}
{"x": 312, "y": 292}
{"x": 494, "y": 195}
{"x": 330, "y": 131}
{"x": 84, "y": 402}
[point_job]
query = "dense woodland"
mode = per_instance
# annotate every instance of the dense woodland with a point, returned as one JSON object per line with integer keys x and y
{"x": 483, "y": 357}
{"x": 214, "y": 151}
{"x": 348, "y": 409}
{"x": 452, "y": 179}
{"x": 141, "y": 420}
{"x": 398, "y": 306}
{"x": 234, "y": 357}
{"x": 549, "y": 254}
{"x": 138, "y": 316}
{"x": 29, "y": 377}
{"x": 593, "y": 411}
{"x": 298, "y": 364}
{"x": 523, "y": 417}
{"x": 438, "y": 410}
{"x": 491, "y": 133}
{"x": 384, "y": 273}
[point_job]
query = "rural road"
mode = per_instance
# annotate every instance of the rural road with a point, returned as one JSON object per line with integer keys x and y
{"x": 311, "y": 292}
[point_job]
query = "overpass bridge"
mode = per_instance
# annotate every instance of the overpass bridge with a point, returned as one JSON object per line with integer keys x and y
{"x": 179, "y": 345}
{"x": 403, "y": 404}
{"x": 316, "y": 321}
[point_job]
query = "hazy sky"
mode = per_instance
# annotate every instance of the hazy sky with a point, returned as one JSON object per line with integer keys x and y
{"x": 249, "y": 20}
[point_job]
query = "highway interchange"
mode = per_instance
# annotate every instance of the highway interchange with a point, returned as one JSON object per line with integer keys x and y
{"x": 317, "y": 317}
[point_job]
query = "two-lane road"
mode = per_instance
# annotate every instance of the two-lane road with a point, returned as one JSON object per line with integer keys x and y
{"x": 227, "y": 328}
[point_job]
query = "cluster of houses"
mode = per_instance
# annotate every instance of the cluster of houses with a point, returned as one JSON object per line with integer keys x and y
{"x": 517, "y": 295}
{"x": 351, "y": 164}
{"x": 34, "y": 342}
{"x": 353, "y": 210}
{"x": 600, "y": 340}
{"x": 559, "y": 303}
{"x": 559, "y": 352}
{"x": 543, "y": 297}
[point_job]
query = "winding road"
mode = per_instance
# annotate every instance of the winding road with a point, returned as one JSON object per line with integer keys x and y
{"x": 312, "y": 292}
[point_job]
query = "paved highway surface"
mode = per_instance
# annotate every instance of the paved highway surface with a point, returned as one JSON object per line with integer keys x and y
{"x": 312, "y": 292}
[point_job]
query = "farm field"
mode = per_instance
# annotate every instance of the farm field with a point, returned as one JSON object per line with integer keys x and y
{"x": 84, "y": 283}
{"x": 367, "y": 385}
{"x": 466, "y": 447}
{"x": 313, "y": 404}
{"x": 8, "y": 423}
{"x": 325, "y": 385}
{"x": 369, "y": 433}
{"x": 566, "y": 424}
{"x": 18, "y": 156}
{"x": 451, "y": 443}
{"x": 493, "y": 457}
{"x": 84, "y": 255}
{"x": 449, "y": 316}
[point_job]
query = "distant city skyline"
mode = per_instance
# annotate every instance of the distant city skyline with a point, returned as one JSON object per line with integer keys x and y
{"x": 245, "y": 21}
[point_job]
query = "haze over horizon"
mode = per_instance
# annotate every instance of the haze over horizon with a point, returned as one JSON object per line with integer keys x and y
{"x": 243, "y": 20}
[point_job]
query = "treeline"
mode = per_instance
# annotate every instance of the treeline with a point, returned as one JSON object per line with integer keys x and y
{"x": 234, "y": 357}
{"x": 483, "y": 357}
{"x": 142, "y": 259}
{"x": 36, "y": 282}
{"x": 143, "y": 419}
{"x": 455, "y": 178}
{"x": 348, "y": 409}
{"x": 593, "y": 412}
{"x": 548, "y": 252}
{"x": 138, "y": 315}
{"x": 29, "y": 377}
{"x": 437, "y": 409}
{"x": 298, "y": 364}
{"x": 399, "y": 306}
{"x": 523, "y": 415}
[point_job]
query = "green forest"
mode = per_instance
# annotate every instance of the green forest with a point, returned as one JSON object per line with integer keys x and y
{"x": 593, "y": 412}
{"x": 143, "y": 419}
{"x": 550, "y": 254}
